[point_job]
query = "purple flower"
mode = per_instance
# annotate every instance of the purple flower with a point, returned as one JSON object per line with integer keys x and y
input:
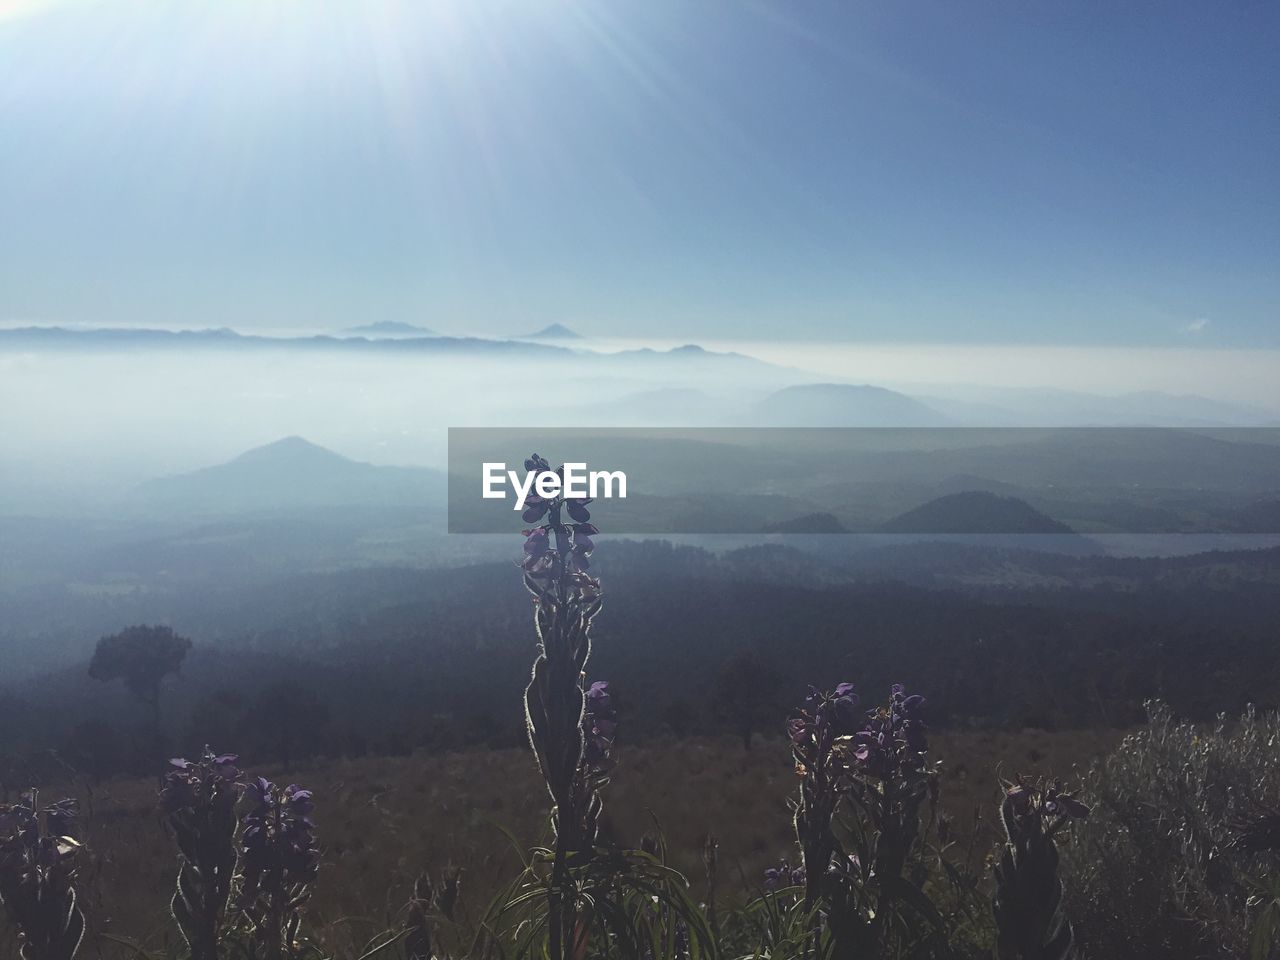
{"x": 535, "y": 508}
{"x": 872, "y": 760}
{"x": 1020, "y": 797}
{"x": 599, "y": 723}
{"x": 892, "y": 740}
{"x": 798, "y": 731}
{"x": 189, "y": 784}
{"x": 783, "y": 875}
{"x": 571, "y": 730}
{"x": 558, "y": 550}
{"x": 199, "y": 800}
{"x": 1044, "y": 799}
{"x": 582, "y": 533}
{"x": 280, "y": 859}
{"x": 536, "y": 544}
{"x": 822, "y": 719}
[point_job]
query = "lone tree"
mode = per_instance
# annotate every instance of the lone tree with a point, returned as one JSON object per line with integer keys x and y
{"x": 142, "y": 657}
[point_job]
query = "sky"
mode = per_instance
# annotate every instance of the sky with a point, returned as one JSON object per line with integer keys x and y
{"x": 1003, "y": 173}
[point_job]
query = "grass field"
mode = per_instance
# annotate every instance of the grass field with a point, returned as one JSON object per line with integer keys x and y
{"x": 382, "y": 821}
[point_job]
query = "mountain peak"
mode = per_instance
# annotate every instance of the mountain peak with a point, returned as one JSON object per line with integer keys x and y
{"x": 293, "y": 450}
{"x": 556, "y": 331}
{"x": 288, "y": 475}
{"x": 975, "y": 512}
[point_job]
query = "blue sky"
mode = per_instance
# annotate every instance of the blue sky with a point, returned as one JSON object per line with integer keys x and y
{"x": 1083, "y": 173}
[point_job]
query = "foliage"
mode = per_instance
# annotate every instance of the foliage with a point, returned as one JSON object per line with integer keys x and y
{"x": 1184, "y": 833}
{"x": 1181, "y": 854}
{"x": 432, "y": 906}
{"x": 1031, "y": 922}
{"x": 279, "y": 862}
{"x": 570, "y": 728}
{"x": 874, "y": 884}
{"x": 199, "y": 801}
{"x": 38, "y": 864}
{"x": 142, "y": 657}
{"x": 407, "y": 659}
{"x": 620, "y": 903}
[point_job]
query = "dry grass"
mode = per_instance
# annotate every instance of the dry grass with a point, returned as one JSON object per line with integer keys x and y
{"x": 382, "y": 821}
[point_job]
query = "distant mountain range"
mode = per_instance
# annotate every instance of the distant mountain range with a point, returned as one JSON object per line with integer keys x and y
{"x": 394, "y": 339}
{"x": 387, "y": 328}
{"x": 806, "y": 405}
{"x": 131, "y": 338}
{"x": 739, "y": 390}
{"x": 290, "y": 474}
{"x": 1040, "y": 407}
{"x": 844, "y": 405}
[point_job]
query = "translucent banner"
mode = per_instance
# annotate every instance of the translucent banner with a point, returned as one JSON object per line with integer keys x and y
{"x": 918, "y": 481}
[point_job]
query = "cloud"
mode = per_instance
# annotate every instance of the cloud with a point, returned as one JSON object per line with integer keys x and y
{"x": 1198, "y": 325}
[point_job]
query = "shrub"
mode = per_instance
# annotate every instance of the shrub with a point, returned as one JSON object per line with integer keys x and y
{"x": 1182, "y": 840}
